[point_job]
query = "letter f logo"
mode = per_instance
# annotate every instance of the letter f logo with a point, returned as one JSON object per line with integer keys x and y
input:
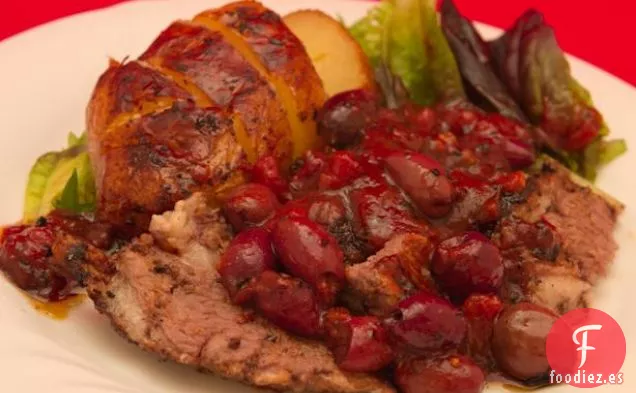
{"x": 583, "y": 343}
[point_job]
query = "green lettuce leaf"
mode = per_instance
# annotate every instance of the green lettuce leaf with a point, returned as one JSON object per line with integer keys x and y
{"x": 405, "y": 36}
{"x": 610, "y": 150}
{"x": 61, "y": 180}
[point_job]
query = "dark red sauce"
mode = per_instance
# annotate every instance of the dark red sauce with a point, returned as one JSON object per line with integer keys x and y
{"x": 35, "y": 256}
{"x": 447, "y": 173}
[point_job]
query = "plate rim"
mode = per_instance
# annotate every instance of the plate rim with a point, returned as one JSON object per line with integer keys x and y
{"x": 38, "y": 30}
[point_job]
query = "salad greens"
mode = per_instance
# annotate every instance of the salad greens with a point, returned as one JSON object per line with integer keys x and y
{"x": 61, "y": 180}
{"x": 475, "y": 65}
{"x": 523, "y": 74}
{"x": 404, "y": 36}
{"x": 535, "y": 69}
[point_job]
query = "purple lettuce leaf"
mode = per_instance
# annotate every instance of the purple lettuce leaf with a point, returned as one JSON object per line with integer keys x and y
{"x": 530, "y": 62}
{"x": 474, "y": 60}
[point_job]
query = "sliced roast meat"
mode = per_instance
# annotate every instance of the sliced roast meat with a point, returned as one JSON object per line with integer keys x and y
{"x": 397, "y": 270}
{"x": 584, "y": 218}
{"x": 555, "y": 268}
{"x": 163, "y": 293}
{"x": 558, "y": 242}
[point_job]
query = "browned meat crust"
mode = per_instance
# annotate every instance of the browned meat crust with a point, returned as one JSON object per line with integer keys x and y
{"x": 163, "y": 158}
{"x": 283, "y": 55}
{"x": 217, "y": 69}
{"x": 162, "y": 293}
{"x": 387, "y": 277}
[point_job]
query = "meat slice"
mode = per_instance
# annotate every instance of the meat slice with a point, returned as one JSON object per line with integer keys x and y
{"x": 378, "y": 284}
{"x": 558, "y": 274}
{"x": 163, "y": 293}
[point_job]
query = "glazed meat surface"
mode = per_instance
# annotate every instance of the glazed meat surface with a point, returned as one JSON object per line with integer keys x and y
{"x": 206, "y": 59}
{"x": 262, "y": 32}
{"x": 203, "y": 102}
{"x": 165, "y": 157}
{"x": 163, "y": 293}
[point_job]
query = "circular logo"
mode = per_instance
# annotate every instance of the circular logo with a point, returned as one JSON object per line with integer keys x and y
{"x": 586, "y": 348}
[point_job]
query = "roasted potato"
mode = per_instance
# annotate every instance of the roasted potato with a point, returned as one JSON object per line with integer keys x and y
{"x": 203, "y": 102}
{"x": 338, "y": 58}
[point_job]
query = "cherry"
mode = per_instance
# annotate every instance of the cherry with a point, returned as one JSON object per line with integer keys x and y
{"x": 466, "y": 264}
{"x": 288, "y": 303}
{"x": 425, "y": 322}
{"x": 342, "y": 169}
{"x": 451, "y": 374}
{"x": 249, "y": 205}
{"x": 344, "y": 115}
{"x": 307, "y": 171}
{"x": 359, "y": 344}
{"x": 380, "y": 213}
{"x": 24, "y": 254}
{"x": 248, "y": 255}
{"x": 293, "y": 208}
{"x": 424, "y": 180}
{"x": 519, "y": 340}
{"x": 265, "y": 171}
{"x": 309, "y": 252}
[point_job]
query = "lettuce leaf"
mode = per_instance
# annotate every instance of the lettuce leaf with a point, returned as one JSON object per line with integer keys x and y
{"x": 611, "y": 150}
{"x": 526, "y": 69}
{"x": 473, "y": 56}
{"x": 524, "y": 75}
{"x": 560, "y": 105}
{"x": 61, "y": 180}
{"x": 405, "y": 37}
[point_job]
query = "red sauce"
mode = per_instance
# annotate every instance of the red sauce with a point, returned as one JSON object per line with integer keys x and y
{"x": 448, "y": 174}
{"x": 35, "y": 256}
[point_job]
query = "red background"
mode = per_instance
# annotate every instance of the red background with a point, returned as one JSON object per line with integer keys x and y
{"x": 601, "y": 32}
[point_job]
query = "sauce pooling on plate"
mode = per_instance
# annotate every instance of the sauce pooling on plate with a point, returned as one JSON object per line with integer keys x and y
{"x": 58, "y": 310}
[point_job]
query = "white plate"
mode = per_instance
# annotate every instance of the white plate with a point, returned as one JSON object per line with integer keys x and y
{"x": 46, "y": 77}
